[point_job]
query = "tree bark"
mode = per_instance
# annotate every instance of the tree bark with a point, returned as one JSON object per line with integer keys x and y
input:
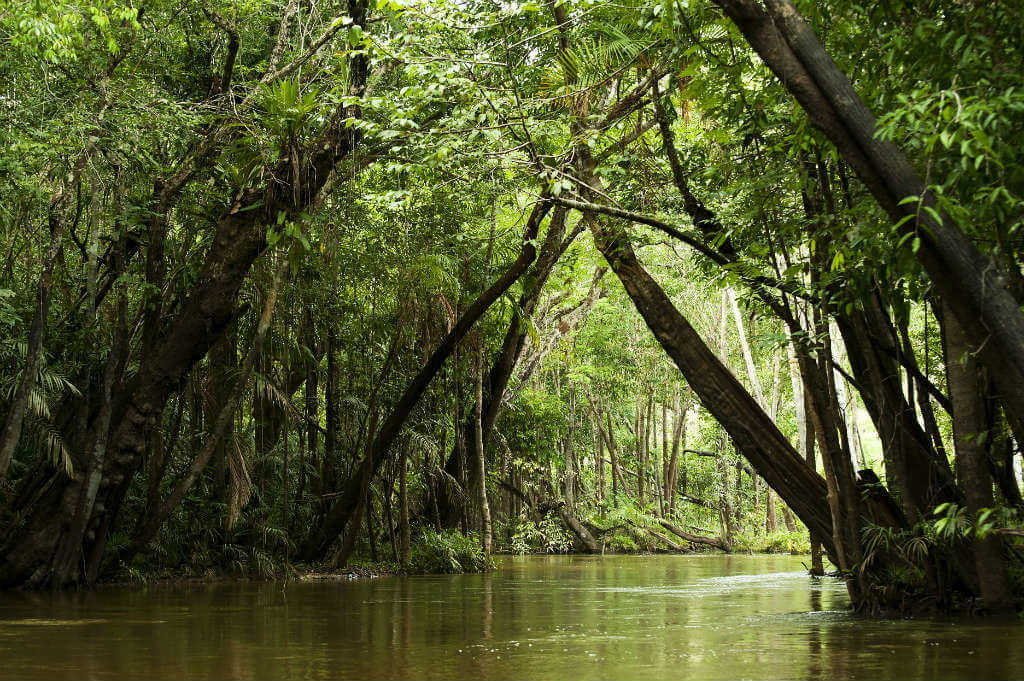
{"x": 147, "y": 531}
{"x": 481, "y": 459}
{"x": 970, "y": 436}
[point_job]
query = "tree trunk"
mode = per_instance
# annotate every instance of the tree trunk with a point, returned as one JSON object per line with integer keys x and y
{"x": 481, "y": 459}
{"x": 807, "y": 435}
{"x": 694, "y": 538}
{"x": 722, "y": 395}
{"x": 678, "y": 438}
{"x": 403, "y": 507}
{"x": 147, "y": 531}
{"x": 969, "y": 432}
{"x": 664, "y": 458}
{"x": 771, "y": 522}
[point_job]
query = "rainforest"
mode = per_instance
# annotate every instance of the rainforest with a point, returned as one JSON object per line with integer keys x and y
{"x": 296, "y": 290}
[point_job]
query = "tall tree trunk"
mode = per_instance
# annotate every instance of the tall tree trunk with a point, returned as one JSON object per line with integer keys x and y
{"x": 664, "y": 458}
{"x": 807, "y": 435}
{"x": 678, "y": 443}
{"x": 481, "y": 459}
{"x": 403, "y": 506}
{"x": 63, "y": 566}
{"x": 613, "y": 453}
{"x": 969, "y": 432}
{"x": 771, "y": 522}
{"x": 641, "y": 440}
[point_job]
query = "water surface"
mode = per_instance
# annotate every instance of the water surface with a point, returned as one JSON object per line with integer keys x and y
{"x": 614, "y": 617}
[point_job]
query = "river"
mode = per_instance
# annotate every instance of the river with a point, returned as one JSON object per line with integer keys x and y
{"x": 560, "y": 617}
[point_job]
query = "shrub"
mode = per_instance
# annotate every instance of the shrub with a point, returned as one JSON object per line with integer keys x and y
{"x": 447, "y": 552}
{"x": 620, "y": 542}
{"x": 526, "y": 536}
{"x": 782, "y": 541}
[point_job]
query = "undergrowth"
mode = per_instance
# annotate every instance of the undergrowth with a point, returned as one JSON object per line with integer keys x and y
{"x": 447, "y": 552}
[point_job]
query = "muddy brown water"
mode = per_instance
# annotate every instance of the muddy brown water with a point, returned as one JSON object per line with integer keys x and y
{"x": 563, "y": 617}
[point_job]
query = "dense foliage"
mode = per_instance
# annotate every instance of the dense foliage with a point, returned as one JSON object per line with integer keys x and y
{"x": 286, "y": 283}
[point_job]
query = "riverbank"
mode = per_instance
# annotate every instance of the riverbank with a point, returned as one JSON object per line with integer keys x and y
{"x": 367, "y": 570}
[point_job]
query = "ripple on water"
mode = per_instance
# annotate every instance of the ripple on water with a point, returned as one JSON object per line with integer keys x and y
{"x": 38, "y": 622}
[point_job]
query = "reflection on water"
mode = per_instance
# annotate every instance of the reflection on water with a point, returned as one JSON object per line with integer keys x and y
{"x": 654, "y": 617}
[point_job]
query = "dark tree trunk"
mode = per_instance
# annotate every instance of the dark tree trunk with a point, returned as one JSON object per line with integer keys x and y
{"x": 148, "y": 529}
{"x": 971, "y": 461}
{"x": 817, "y": 568}
{"x": 921, "y": 474}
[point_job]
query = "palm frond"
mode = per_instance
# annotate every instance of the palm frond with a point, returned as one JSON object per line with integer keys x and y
{"x": 239, "y": 482}
{"x": 452, "y": 488}
{"x": 49, "y": 440}
{"x": 589, "y": 65}
{"x": 270, "y": 391}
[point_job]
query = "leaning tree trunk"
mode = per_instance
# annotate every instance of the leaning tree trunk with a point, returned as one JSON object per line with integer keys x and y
{"x": 505, "y": 360}
{"x": 748, "y": 425}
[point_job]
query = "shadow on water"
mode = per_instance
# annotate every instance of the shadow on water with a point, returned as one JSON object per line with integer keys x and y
{"x": 638, "y": 617}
